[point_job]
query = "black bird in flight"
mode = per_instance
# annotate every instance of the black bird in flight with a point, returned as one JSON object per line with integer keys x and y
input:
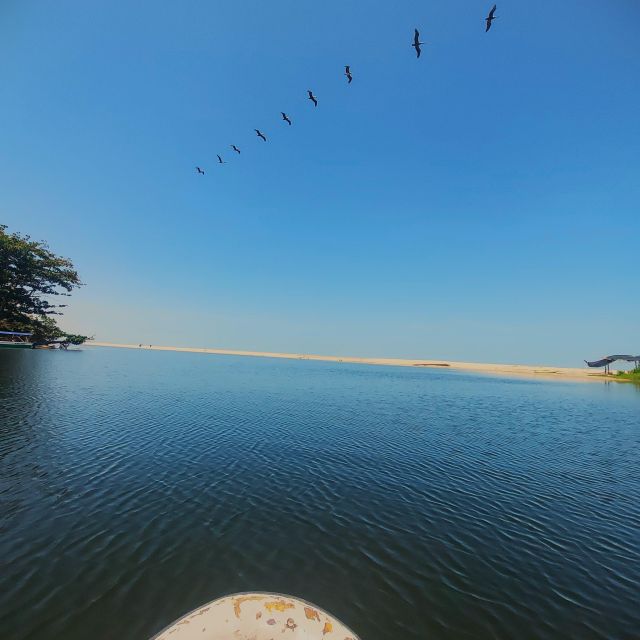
{"x": 285, "y": 117}
{"x": 416, "y": 42}
{"x": 313, "y": 98}
{"x": 199, "y": 170}
{"x": 347, "y": 72}
{"x": 233, "y": 146}
{"x": 220, "y": 160}
{"x": 260, "y": 134}
{"x": 490, "y": 18}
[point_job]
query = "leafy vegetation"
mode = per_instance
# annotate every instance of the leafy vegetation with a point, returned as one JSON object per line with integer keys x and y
{"x": 31, "y": 279}
{"x": 633, "y": 375}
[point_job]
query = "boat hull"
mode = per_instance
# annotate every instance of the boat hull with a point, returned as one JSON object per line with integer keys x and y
{"x": 15, "y": 345}
{"x": 257, "y": 616}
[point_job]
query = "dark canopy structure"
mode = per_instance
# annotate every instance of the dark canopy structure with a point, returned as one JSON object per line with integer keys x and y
{"x": 605, "y": 362}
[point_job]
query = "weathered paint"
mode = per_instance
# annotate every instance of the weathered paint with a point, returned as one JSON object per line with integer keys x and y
{"x": 240, "y": 617}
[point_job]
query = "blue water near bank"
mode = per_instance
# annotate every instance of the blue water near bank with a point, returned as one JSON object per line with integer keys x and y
{"x": 411, "y": 503}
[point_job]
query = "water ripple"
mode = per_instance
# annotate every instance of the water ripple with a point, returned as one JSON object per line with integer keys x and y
{"x": 135, "y": 486}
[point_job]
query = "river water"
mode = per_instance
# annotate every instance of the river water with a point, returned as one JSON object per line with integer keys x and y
{"x": 410, "y": 503}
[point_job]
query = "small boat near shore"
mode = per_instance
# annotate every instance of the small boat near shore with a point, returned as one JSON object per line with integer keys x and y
{"x": 257, "y": 616}
{"x": 15, "y": 340}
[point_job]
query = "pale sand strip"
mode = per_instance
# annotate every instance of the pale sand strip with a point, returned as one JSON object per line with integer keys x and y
{"x": 554, "y": 373}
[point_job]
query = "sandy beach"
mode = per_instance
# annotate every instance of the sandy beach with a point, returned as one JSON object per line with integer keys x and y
{"x": 509, "y": 370}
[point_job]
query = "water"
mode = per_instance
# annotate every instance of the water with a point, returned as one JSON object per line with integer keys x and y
{"x": 410, "y": 503}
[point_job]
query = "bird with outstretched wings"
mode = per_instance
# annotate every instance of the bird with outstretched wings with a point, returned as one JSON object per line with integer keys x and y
{"x": 416, "y": 42}
{"x": 490, "y": 18}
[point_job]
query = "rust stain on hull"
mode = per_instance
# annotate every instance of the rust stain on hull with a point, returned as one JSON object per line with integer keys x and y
{"x": 237, "y": 603}
{"x": 291, "y": 624}
{"x": 278, "y": 605}
{"x": 311, "y": 614}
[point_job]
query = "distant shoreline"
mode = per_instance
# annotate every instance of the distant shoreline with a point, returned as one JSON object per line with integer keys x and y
{"x": 526, "y": 371}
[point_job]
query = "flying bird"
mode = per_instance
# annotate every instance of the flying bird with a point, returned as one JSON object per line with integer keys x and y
{"x": 260, "y": 134}
{"x": 313, "y": 98}
{"x": 417, "y": 43}
{"x": 286, "y": 118}
{"x": 347, "y": 72}
{"x": 199, "y": 170}
{"x": 220, "y": 160}
{"x": 490, "y": 18}
{"x": 233, "y": 146}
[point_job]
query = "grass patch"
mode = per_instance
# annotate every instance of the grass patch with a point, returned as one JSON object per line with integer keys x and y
{"x": 629, "y": 375}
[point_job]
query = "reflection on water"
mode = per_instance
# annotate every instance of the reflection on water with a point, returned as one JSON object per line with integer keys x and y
{"x": 631, "y": 383}
{"x": 135, "y": 486}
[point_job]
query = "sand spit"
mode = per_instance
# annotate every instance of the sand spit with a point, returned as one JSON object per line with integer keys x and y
{"x": 509, "y": 370}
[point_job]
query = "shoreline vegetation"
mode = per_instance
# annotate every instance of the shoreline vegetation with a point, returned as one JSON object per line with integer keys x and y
{"x": 629, "y": 376}
{"x": 508, "y": 370}
{"x": 31, "y": 279}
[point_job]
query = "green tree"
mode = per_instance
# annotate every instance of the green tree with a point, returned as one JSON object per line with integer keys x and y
{"x": 31, "y": 279}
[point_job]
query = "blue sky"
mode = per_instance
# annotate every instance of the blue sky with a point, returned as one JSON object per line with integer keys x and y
{"x": 480, "y": 203}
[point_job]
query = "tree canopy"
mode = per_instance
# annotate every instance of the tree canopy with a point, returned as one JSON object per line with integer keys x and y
{"x": 31, "y": 279}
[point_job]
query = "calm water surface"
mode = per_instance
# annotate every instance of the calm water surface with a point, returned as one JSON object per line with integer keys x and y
{"x": 411, "y": 503}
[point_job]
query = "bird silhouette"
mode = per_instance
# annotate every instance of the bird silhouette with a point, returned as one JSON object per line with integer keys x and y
{"x": 347, "y": 72}
{"x": 313, "y": 98}
{"x": 233, "y": 146}
{"x": 199, "y": 170}
{"x": 490, "y": 18}
{"x": 220, "y": 160}
{"x": 286, "y": 118}
{"x": 417, "y": 43}
{"x": 260, "y": 134}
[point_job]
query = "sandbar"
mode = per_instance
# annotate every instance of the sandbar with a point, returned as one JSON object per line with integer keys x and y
{"x": 508, "y": 370}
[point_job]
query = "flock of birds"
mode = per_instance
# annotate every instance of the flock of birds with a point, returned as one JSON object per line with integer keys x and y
{"x": 347, "y": 72}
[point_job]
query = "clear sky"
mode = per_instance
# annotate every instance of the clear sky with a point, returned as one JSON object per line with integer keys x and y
{"x": 480, "y": 203}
